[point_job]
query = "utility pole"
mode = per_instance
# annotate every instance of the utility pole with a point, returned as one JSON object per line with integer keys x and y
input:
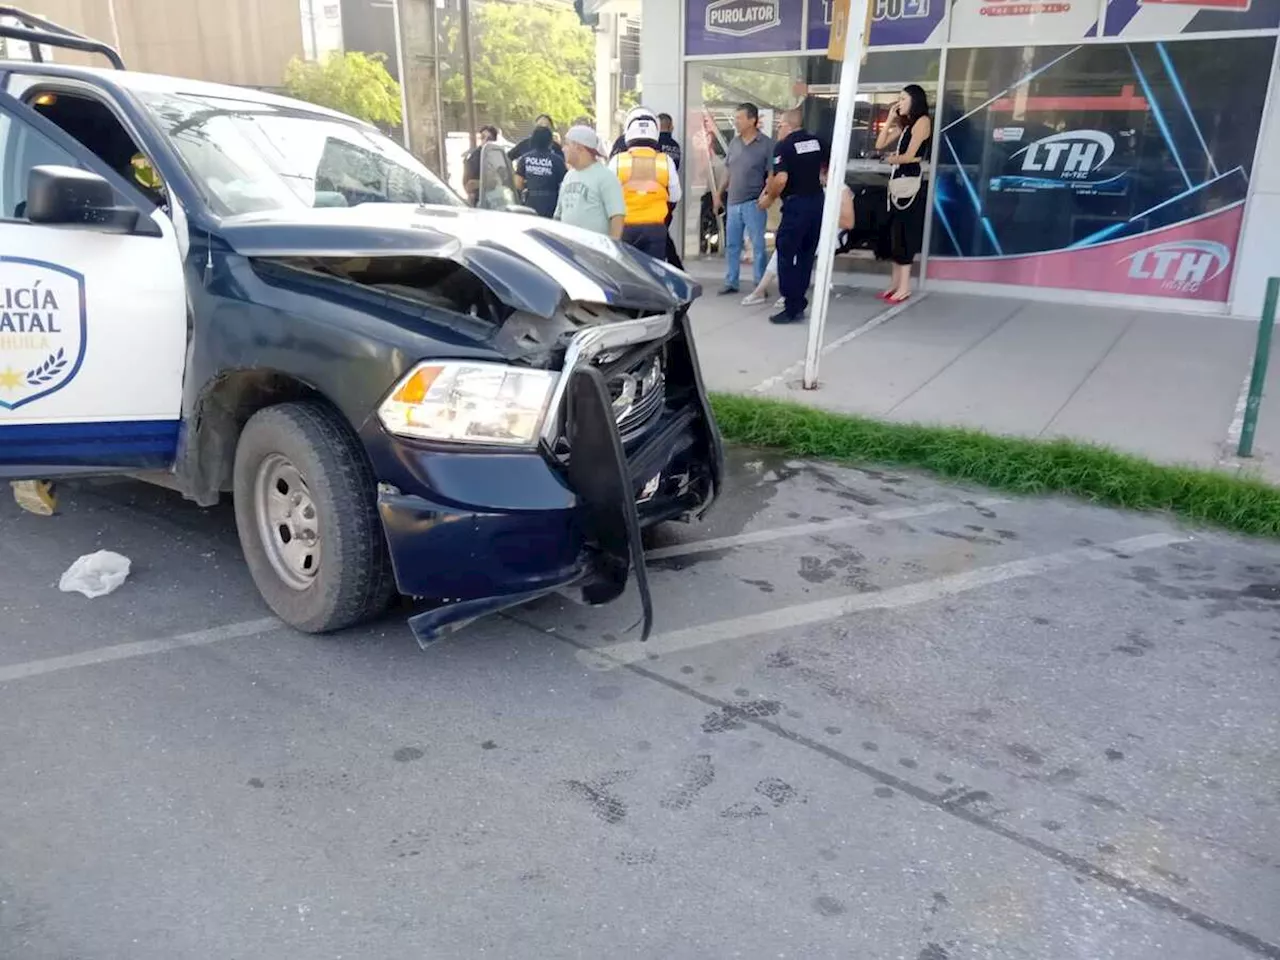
{"x": 419, "y": 81}
{"x": 465, "y": 13}
{"x": 311, "y": 22}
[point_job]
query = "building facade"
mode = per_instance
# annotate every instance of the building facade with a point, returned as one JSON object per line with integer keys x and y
{"x": 1103, "y": 151}
{"x": 244, "y": 42}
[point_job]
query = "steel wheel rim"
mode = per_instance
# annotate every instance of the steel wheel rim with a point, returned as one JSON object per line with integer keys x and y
{"x": 288, "y": 521}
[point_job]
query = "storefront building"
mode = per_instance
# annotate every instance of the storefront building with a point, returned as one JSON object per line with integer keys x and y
{"x": 1101, "y": 151}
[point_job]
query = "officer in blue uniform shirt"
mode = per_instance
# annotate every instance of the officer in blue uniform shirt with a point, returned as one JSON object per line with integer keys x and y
{"x": 539, "y": 173}
{"x": 798, "y": 160}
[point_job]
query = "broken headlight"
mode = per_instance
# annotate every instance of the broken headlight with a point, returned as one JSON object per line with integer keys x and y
{"x": 470, "y": 402}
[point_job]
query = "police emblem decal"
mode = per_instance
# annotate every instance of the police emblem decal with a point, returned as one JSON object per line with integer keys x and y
{"x": 43, "y": 329}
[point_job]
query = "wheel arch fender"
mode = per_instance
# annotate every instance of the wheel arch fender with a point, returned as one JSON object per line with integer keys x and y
{"x": 207, "y": 449}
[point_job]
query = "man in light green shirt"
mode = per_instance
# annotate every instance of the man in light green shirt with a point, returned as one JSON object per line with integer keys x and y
{"x": 590, "y": 195}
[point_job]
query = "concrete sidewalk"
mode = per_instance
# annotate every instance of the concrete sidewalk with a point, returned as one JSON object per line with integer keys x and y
{"x": 1164, "y": 385}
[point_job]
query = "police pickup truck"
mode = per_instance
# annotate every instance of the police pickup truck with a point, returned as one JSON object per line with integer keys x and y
{"x": 403, "y": 395}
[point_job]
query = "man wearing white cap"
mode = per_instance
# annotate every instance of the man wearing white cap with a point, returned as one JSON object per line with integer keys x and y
{"x": 591, "y": 195}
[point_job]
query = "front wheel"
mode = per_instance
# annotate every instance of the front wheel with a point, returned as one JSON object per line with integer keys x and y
{"x": 307, "y": 516}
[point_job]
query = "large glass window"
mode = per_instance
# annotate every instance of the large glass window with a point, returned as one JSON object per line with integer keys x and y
{"x": 1117, "y": 167}
{"x": 776, "y": 84}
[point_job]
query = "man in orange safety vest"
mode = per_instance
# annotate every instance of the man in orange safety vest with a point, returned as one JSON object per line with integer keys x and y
{"x": 650, "y": 182}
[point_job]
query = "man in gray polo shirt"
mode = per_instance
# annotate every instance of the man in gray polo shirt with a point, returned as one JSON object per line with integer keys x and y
{"x": 748, "y": 167}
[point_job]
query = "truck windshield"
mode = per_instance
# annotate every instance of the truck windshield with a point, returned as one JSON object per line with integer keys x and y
{"x": 253, "y": 157}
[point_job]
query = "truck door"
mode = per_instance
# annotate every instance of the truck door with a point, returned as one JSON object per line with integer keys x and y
{"x": 93, "y": 309}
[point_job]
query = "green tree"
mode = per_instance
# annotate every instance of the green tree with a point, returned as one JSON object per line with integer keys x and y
{"x": 527, "y": 59}
{"x": 354, "y": 83}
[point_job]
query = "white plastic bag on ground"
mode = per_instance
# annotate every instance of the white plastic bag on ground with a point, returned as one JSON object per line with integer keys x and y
{"x": 96, "y": 574}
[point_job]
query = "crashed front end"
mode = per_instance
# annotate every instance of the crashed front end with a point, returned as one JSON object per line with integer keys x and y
{"x": 621, "y": 437}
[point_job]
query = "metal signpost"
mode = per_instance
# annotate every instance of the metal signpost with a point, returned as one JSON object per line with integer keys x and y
{"x": 848, "y": 24}
{"x": 1260, "y": 357}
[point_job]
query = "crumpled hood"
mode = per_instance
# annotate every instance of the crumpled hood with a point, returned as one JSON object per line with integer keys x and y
{"x": 530, "y": 263}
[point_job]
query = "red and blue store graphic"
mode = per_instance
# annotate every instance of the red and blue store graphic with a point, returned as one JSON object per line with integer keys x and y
{"x": 1120, "y": 168}
{"x": 1163, "y": 18}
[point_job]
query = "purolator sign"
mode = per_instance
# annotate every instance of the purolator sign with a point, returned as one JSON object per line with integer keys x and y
{"x": 741, "y": 18}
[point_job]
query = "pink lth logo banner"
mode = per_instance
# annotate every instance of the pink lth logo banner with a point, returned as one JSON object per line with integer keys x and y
{"x": 1206, "y": 4}
{"x": 1191, "y": 261}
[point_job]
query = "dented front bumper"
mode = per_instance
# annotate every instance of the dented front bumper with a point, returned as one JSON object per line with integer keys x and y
{"x": 474, "y": 532}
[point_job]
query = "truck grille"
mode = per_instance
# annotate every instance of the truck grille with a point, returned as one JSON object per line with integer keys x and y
{"x": 638, "y": 394}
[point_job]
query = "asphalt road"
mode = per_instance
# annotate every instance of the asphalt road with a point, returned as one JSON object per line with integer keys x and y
{"x": 879, "y": 718}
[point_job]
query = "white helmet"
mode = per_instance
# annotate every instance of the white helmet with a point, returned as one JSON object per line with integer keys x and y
{"x": 640, "y": 125}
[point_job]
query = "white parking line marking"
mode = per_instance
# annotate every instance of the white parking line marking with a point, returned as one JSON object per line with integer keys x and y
{"x": 817, "y": 527}
{"x": 138, "y": 648}
{"x": 632, "y": 651}
{"x": 252, "y": 628}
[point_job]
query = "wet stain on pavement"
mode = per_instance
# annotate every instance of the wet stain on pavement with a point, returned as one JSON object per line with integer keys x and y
{"x": 1262, "y": 591}
{"x": 1101, "y": 802}
{"x": 828, "y": 906}
{"x": 778, "y": 792}
{"x": 603, "y": 804}
{"x": 1026, "y": 754}
{"x": 1136, "y": 644}
{"x": 742, "y": 811}
{"x": 256, "y": 782}
{"x": 733, "y": 716}
{"x": 696, "y": 774}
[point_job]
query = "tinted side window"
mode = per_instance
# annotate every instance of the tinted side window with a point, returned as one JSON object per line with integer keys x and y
{"x": 21, "y": 148}
{"x": 361, "y": 176}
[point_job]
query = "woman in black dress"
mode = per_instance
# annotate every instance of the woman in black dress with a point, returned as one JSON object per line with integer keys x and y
{"x": 910, "y": 127}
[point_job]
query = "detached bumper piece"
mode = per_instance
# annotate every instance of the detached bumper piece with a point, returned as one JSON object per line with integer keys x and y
{"x": 604, "y": 525}
{"x": 599, "y": 474}
{"x": 477, "y": 532}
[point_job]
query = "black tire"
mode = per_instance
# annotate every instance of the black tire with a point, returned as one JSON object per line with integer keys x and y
{"x": 354, "y": 581}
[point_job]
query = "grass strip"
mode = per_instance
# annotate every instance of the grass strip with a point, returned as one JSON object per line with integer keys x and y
{"x": 1020, "y": 466}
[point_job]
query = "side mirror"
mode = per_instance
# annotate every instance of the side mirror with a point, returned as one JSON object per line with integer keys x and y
{"x": 71, "y": 197}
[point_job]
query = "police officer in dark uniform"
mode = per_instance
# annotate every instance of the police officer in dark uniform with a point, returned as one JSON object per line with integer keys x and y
{"x": 667, "y": 144}
{"x": 525, "y": 145}
{"x": 471, "y": 163}
{"x": 539, "y": 173}
{"x": 798, "y": 160}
